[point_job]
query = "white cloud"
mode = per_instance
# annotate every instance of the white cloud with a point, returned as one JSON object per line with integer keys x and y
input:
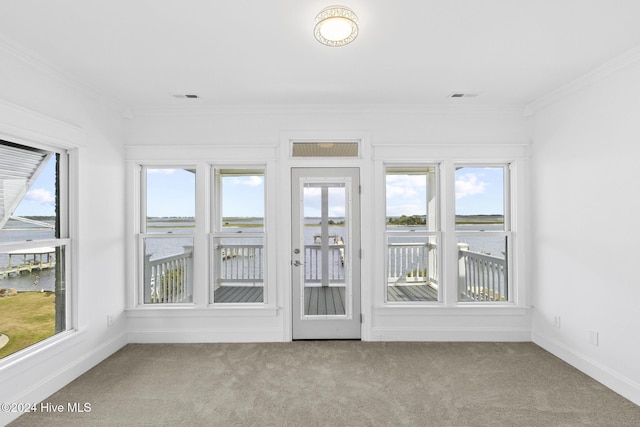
{"x": 162, "y": 171}
{"x": 405, "y": 186}
{"x": 408, "y": 209}
{"x": 253, "y": 181}
{"x": 397, "y": 191}
{"x": 40, "y": 195}
{"x": 468, "y": 185}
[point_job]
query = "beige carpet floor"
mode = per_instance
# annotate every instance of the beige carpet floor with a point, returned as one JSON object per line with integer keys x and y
{"x": 336, "y": 383}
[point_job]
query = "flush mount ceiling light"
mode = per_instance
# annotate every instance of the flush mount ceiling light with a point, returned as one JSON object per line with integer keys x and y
{"x": 336, "y": 26}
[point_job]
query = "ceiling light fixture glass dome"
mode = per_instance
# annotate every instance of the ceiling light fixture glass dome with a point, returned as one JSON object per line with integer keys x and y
{"x": 336, "y": 26}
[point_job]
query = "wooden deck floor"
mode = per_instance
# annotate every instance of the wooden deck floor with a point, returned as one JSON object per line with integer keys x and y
{"x": 238, "y": 294}
{"x": 324, "y": 301}
{"x": 412, "y": 293}
{"x": 317, "y": 300}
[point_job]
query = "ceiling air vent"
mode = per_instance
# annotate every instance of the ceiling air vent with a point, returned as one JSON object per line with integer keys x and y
{"x": 462, "y": 95}
{"x": 184, "y": 96}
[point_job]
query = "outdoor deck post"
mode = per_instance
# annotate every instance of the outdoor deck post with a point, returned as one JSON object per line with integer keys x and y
{"x": 188, "y": 271}
{"x": 60, "y": 291}
{"x": 462, "y": 268}
{"x": 146, "y": 279}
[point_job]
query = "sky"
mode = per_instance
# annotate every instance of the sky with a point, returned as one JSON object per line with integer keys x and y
{"x": 40, "y": 199}
{"x": 313, "y": 202}
{"x": 171, "y": 192}
{"x": 479, "y": 191}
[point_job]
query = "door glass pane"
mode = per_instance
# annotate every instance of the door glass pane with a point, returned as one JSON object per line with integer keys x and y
{"x": 325, "y": 233}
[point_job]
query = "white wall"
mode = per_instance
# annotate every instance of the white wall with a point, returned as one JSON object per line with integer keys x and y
{"x": 264, "y": 125}
{"x": 40, "y": 106}
{"x": 585, "y": 228}
{"x": 398, "y": 134}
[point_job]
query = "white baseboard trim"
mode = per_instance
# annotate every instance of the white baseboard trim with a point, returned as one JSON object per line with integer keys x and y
{"x": 63, "y": 376}
{"x": 451, "y": 334}
{"x": 601, "y": 373}
{"x": 205, "y": 336}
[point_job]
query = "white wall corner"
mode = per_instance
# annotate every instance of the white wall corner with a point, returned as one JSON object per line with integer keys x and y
{"x": 610, "y": 378}
{"x": 620, "y": 62}
{"x": 61, "y": 377}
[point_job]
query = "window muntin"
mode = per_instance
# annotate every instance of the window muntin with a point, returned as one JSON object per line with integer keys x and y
{"x": 238, "y": 255}
{"x": 482, "y": 232}
{"x": 166, "y": 241}
{"x": 412, "y": 234}
{"x": 34, "y": 245}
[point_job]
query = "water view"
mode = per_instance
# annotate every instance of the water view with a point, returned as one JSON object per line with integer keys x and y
{"x": 36, "y": 280}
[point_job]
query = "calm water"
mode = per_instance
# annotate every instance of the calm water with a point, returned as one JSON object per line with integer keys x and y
{"x": 163, "y": 246}
{"x": 16, "y": 231}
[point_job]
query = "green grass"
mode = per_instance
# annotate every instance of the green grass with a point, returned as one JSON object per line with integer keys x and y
{"x": 26, "y": 319}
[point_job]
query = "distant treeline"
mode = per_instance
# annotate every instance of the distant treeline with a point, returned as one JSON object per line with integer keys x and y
{"x": 460, "y": 219}
{"x": 170, "y": 218}
{"x": 479, "y": 219}
{"x": 407, "y": 220}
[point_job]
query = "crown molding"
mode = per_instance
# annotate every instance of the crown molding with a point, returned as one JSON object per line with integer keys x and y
{"x": 620, "y": 62}
{"x": 50, "y": 70}
{"x": 203, "y": 109}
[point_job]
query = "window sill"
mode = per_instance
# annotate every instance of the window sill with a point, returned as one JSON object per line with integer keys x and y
{"x": 51, "y": 346}
{"x": 461, "y": 309}
{"x": 210, "y": 311}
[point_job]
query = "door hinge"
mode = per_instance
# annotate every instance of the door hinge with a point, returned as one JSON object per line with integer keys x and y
{"x": 359, "y": 189}
{"x": 360, "y": 253}
{"x": 361, "y": 318}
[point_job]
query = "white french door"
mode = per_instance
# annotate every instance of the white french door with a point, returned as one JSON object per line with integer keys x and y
{"x": 325, "y": 263}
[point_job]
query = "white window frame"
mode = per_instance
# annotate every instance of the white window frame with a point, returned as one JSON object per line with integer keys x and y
{"x": 435, "y": 232}
{"x": 144, "y": 234}
{"x": 506, "y": 233}
{"x": 67, "y": 209}
{"x": 215, "y": 204}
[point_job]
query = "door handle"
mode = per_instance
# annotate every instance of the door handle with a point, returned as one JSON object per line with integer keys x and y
{"x": 297, "y": 263}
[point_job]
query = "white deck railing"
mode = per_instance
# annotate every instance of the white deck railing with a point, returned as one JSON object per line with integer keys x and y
{"x": 169, "y": 279}
{"x": 481, "y": 277}
{"x": 412, "y": 263}
{"x": 240, "y": 264}
{"x": 313, "y": 263}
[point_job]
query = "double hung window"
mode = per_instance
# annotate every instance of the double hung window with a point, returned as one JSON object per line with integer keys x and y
{"x": 415, "y": 251}
{"x": 482, "y": 232}
{"x": 167, "y": 234}
{"x": 412, "y": 234}
{"x": 34, "y": 245}
{"x": 238, "y": 238}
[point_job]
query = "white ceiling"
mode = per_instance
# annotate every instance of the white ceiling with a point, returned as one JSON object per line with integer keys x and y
{"x": 254, "y": 52}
